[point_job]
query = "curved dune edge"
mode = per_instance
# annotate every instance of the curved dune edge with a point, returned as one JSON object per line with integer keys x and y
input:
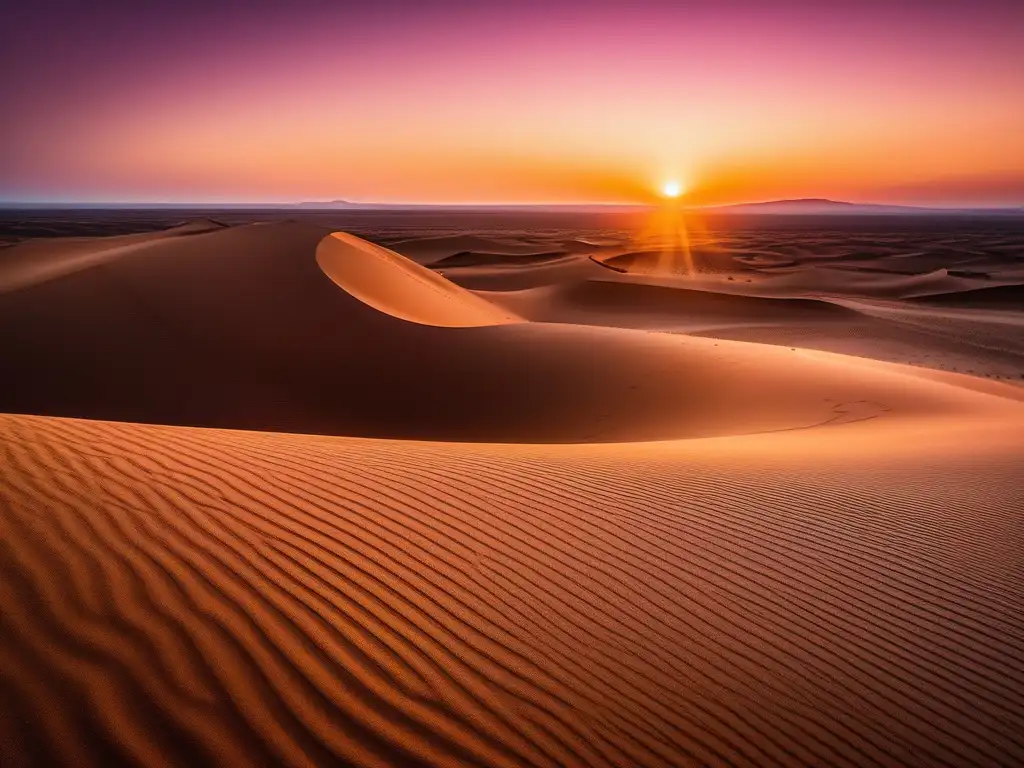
{"x": 36, "y": 261}
{"x": 401, "y": 288}
{"x": 614, "y": 302}
{"x": 267, "y": 341}
{"x": 204, "y": 597}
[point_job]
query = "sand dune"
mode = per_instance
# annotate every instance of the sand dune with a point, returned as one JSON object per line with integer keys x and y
{"x": 872, "y": 284}
{"x": 762, "y": 310}
{"x": 525, "y": 276}
{"x": 671, "y": 261}
{"x": 623, "y": 303}
{"x": 534, "y": 538}
{"x": 35, "y": 261}
{"x": 393, "y": 284}
{"x": 247, "y": 317}
{"x": 425, "y": 250}
{"x": 843, "y": 595}
{"x": 479, "y": 259}
{"x": 993, "y": 297}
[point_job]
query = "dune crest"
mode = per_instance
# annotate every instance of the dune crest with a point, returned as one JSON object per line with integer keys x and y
{"x": 393, "y": 284}
{"x": 424, "y": 250}
{"x": 285, "y": 327}
{"x": 37, "y": 261}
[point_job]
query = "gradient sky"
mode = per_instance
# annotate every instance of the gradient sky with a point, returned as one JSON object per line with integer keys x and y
{"x": 553, "y": 101}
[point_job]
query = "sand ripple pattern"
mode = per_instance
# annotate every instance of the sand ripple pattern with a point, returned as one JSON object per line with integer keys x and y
{"x": 199, "y": 597}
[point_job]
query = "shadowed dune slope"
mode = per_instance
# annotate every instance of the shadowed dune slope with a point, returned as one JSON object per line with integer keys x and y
{"x": 425, "y": 250}
{"x": 619, "y": 302}
{"x": 573, "y": 268}
{"x": 866, "y": 283}
{"x": 241, "y": 327}
{"x": 672, "y": 261}
{"x": 995, "y": 297}
{"x": 847, "y": 595}
{"x": 479, "y": 259}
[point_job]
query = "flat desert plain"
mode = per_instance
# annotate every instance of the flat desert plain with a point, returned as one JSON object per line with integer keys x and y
{"x": 397, "y": 491}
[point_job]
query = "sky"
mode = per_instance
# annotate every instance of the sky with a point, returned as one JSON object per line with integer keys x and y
{"x": 525, "y": 101}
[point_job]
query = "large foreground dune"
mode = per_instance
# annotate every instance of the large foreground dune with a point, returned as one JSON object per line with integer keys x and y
{"x": 847, "y": 594}
{"x": 512, "y": 542}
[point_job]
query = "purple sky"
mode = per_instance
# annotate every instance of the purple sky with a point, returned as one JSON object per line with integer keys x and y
{"x": 513, "y": 101}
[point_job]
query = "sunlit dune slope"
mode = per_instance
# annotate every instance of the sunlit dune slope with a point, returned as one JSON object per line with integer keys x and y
{"x": 393, "y": 284}
{"x": 36, "y": 261}
{"x": 843, "y": 595}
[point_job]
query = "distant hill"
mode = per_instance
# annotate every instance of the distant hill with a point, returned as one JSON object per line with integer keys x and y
{"x": 823, "y": 206}
{"x": 343, "y": 204}
{"x": 815, "y": 205}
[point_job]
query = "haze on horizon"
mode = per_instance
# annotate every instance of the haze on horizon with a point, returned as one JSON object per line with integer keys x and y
{"x": 514, "y": 102}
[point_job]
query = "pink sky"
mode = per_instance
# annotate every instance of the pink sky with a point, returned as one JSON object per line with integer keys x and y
{"x": 519, "y": 102}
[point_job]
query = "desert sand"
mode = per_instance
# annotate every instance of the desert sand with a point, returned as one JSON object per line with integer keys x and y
{"x": 272, "y": 493}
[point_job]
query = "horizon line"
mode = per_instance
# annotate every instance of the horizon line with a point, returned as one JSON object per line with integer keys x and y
{"x": 340, "y": 203}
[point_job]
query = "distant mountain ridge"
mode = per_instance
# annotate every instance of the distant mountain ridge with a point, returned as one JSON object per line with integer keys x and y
{"x": 819, "y": 205}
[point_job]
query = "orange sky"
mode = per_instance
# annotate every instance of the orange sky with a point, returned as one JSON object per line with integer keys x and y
{"x": 529, "y": 102}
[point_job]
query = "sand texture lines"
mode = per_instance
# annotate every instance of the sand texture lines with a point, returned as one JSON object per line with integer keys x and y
{"x": 176, "y": 596}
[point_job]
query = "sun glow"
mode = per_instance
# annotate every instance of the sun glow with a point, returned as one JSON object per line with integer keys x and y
{"x": 672, "y": 189}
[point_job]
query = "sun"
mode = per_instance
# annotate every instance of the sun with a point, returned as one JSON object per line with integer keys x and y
{"x": 672, "y": 189}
